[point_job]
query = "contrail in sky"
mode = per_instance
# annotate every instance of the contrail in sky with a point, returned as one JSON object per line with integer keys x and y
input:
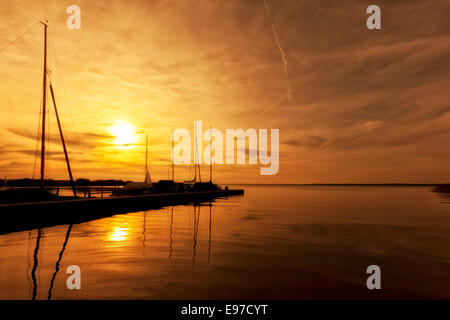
{"x": 283, "y": 54}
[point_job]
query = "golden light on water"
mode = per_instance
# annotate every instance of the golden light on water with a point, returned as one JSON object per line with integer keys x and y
{"x": 119, "y": 234}
{"x": 124, "y": 133}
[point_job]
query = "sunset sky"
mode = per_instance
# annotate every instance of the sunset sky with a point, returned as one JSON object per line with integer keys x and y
{"x": 353, "y": 105}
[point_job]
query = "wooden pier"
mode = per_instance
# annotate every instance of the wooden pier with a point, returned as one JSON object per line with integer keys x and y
{"x": 31, "y": 215}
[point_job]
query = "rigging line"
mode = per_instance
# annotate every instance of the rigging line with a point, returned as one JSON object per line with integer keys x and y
{"x": 47, "y": 150}
{"x": 36, "y": 149}
{"x": 53, "y": 52}
{"x": 15, "y": 40}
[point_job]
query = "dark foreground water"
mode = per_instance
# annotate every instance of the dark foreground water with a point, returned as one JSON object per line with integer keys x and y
{"x": 272, "y": 243}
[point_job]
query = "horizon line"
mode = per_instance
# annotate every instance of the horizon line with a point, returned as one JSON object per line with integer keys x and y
{"x": 273, "y": 184}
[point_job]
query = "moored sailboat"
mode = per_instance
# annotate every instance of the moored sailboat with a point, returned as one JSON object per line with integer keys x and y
{"x": 42, "y": 194}
{"x": 139, "y": 187}
{"x": 27, "y": 208}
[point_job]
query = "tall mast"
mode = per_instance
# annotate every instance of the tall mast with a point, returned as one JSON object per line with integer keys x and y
{"x": 148, "y": 178}
{"x": 44, "y": 106}
{"x": 198, "y": 160}
{"x": 173, "y": 175}
{"x": 195, "y": 155}
{"x": 210, "y": 154}
{"x": 198, "y": 166}
{"x": 146, "y": 153}
{"x": 199, "y": 174}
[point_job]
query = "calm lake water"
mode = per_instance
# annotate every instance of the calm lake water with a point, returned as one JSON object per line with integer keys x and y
{"x": 273, "y": 243}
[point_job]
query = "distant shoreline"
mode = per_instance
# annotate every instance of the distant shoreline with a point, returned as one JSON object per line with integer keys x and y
{"x": 113, "y": 182}
{"x": 341, "y": 184}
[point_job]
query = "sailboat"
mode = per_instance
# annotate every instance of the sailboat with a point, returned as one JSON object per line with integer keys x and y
{"x": 169, "y": 185}
{"x": 28, "y": 208}
{"x": 196, "y": 165}
{"x": 141, "y": 187}
{"x": 23, "y": 195}
{"x": 199, "y": 185}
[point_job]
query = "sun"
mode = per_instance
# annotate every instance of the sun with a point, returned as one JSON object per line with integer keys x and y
{"x": 124, "y": 133}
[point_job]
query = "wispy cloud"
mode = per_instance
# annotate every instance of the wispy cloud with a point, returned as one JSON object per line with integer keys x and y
{"x": 280, "y": 48}
{"x": 350, "y": 103}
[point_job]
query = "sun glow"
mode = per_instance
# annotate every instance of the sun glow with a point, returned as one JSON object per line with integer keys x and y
{"x": 119, "y": 234}
{"x": 124, "y": 133}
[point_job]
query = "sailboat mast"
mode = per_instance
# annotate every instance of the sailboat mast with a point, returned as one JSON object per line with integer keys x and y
{"x": 44, "y": 107}
{"x": 210, "y": 155}
{"x": 148, "y": 179}
{"x": 173, "y": 175}
{"x": 198, "y": 160}
{"x": 146, "y": 153}
{"x": 195, "y": 155}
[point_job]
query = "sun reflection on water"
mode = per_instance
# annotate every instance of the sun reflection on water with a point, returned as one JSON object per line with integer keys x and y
{"x": 119, "y": 234}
